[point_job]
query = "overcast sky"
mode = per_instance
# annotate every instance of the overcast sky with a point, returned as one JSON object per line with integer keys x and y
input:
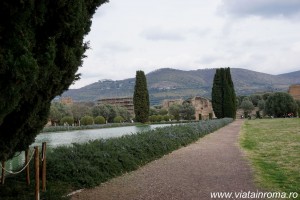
{"x": 131, "y": 35}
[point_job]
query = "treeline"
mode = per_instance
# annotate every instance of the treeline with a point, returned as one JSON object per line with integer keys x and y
{"x": 87, "y": 114}
{"x": 278, "y": 104}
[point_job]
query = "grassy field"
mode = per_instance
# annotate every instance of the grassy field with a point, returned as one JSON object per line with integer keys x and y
{"x": 273, "y": 146}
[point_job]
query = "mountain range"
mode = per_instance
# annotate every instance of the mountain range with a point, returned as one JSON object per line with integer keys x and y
{"x": 167, "y": 83}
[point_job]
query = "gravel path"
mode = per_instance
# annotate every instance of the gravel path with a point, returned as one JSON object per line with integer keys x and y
{"x": 212, "y": 164}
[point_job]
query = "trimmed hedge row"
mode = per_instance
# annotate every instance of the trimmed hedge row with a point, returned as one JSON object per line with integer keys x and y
{"x": 88, "y": 165}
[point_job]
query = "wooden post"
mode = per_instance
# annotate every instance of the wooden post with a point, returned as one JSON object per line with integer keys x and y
{"x": 3, "y": 173}
{"x": 44, "y": 167}
{"x": 27, "y": 168}
{"x": 37, "y": 173}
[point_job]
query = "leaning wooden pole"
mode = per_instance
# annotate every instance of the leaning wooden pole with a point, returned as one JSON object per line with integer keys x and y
{"x": 44, "y": 167}
{"x": 27, "y": 168}
{"x": 3, "y": 172}
{"x": 37, "y": 173}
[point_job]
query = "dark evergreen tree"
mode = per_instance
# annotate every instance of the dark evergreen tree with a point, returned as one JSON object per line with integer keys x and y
{"x": 217, "y": 94}
{"x": 223, "y": 94}
{"x": 141, "y": 98}
{"x": 41, "y": 48}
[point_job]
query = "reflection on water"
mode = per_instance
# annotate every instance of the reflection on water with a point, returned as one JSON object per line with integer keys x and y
{"x": 55, "y": 139}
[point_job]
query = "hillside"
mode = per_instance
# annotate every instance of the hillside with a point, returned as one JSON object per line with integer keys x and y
{"x": 169, "y": 83}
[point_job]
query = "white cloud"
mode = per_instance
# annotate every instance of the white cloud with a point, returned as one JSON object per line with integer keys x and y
{"x": 132, "y": 35}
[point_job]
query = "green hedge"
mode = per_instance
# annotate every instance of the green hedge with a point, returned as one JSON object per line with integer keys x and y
{"x": 88, "y": 165}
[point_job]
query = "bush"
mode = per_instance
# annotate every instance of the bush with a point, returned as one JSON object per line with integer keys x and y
{"x": 86, "y": 120}
{"x": 153, "y": 118}
{"x": 88, "y": 165}
{"x": 99, "y": 120}
{"x": 166, "y": 118}
{"x": 67, "y": 120}
{"x": 118, "y": 119}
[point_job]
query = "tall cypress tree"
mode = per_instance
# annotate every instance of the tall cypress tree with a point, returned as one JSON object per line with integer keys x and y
{"x": 141, "y": 98}
{"x": 223, "y": 94}
{"x": 217, "y": 94}
{"x": 41, "y": 49}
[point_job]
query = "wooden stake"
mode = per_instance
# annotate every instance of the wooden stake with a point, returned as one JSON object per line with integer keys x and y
{"x": 37, "y": 173}
{"x": 3, "y": 173}
{"x": 44, "y": 167}
{"x": 27, "y": 168}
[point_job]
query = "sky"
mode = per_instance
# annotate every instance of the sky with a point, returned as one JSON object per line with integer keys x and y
{"x": 131, "y": 35}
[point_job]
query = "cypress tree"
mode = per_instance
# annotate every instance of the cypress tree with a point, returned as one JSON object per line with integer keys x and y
{"x": 141, "y": 98}
{"x": 223, "y": 94}
{"x": 217, "y": 94}
{"x": 41, "y": 48}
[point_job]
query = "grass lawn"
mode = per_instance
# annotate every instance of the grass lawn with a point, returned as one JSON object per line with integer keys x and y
{"x": 273, "y": 146}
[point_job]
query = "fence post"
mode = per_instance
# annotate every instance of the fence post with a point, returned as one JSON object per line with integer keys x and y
{"x": 3, "y": 172}
{"x": 37, "y": 174}
{"x": 27, "y": 168}
{"x": 44, "y": 167}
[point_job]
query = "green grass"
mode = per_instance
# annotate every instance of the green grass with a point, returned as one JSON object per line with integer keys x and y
{"x": 273, "y": 146}
{"x": 90, "y": 164}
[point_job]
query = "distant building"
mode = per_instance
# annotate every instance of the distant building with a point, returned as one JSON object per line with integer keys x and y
{"x": 203, "y": 107}
{"x": 66, "y": 100}
{"x": 169, "y": 102}
{"x": 126, "y": 102}
{"x": 294, "y": 90}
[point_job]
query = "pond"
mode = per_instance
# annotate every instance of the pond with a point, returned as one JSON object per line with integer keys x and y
{"x": 55, "y": 139}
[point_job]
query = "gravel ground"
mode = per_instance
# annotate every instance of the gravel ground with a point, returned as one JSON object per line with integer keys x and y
{"x": 214, "y": 163}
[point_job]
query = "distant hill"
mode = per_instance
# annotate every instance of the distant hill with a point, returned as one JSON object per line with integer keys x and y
{"x": 169, "y": 83}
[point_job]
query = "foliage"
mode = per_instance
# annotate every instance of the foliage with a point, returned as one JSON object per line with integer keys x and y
{"x": 118, "y": 119}
{"x": 298, "y": 104}
{"x": 99, "y": 120}
{"x": 273, "y": 147}
{"x": 247, "y": 106}
{"x": 280, "y": 104}
{"x": 123, "y": 112}
{"x": 106, "y": 110}
{"x": 87, "y": 120}
{"x": 174, "y": 110}
{"x": 67, "y": 120}
{"x": 88, "y": 165}
{"x": 41, "y": 50}
{"x": 187, "y": 111}
{"x": 141, "y": 98}
{"x": 223, "y": 94}
{"x": 261, "y": 104}
{"x": 255, "y": 98}
{"x": 79, "y": 111}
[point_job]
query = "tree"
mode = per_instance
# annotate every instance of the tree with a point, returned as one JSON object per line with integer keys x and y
{"x": 41, "y": 48}
{"x": 223, "y": 94}
{"x": 174, "y": 110}
{"x": 141, "y": 98}
{"x": 79, "y": 111}
{"x": 298, "y": 104}
{"x": 247, "y": 106}
{"x": 99, "y": 120}
{"x": 261, "y": 104}
{"x": 106, "y": 110}
{"x": 187, "y": 111}
{"x": 87, "y": 120}
{"x": 280, "y": 104}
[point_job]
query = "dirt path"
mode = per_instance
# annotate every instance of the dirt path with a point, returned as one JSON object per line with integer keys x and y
{"x": 212, "y": 164}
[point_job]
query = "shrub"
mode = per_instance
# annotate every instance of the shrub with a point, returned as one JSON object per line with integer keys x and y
{"x": 86, "y": 120}
{"x": 67, "y": 120}
{"x": 88, "y": 165}
{"x": 166, "y": 118}
{"x": 153, "y": 118}
{"x": 99, "y": 120}
{"x": 118, "y": 119}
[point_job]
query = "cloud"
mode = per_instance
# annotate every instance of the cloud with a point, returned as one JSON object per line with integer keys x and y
{"x": 262, "y": 8}
{"x": 158, "y": 34}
